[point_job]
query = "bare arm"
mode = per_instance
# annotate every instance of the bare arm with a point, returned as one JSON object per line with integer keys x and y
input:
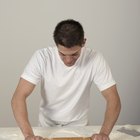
{"x": 23, "y": 90}
{"x": 113, "y": 107}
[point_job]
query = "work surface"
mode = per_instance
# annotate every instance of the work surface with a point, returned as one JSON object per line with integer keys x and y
{"x": 128, "y": 132}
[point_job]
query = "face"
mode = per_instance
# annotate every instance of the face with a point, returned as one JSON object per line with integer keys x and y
{"x": 69, "y": 55}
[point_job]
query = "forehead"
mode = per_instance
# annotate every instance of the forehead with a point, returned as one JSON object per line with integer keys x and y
{"x": 68, "y": 51}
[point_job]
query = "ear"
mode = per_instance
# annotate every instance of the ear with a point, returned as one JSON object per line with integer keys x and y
{"x": 84, "y": 42}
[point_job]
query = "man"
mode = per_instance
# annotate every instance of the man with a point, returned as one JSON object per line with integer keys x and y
{"x": 66, "y": 73}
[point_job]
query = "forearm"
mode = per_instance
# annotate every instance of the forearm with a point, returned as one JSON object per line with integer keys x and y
{"x": 111, "y": 116}
{"x": 21, "y": 116}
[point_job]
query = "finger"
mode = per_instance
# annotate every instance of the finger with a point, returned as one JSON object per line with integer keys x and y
{"x": 94, "y": 137}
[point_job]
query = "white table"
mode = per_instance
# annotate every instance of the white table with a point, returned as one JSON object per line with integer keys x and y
{"x": 14, "y": 133}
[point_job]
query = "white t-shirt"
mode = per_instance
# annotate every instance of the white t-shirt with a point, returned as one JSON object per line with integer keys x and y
{"x": 65, "y": 90}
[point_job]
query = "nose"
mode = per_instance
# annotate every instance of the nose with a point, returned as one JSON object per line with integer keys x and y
{"x": 68, "y": 59}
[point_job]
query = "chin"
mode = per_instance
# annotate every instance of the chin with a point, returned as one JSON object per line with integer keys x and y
{"x": 69, "y": 65}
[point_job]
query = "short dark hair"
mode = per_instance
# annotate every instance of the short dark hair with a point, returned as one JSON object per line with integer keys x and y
{"x": 69, "y": 33}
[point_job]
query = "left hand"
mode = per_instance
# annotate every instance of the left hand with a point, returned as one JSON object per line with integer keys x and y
{"x": 100, "y": 137}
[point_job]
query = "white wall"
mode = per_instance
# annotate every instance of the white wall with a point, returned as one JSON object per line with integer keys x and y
{"x": 111, "y": 26}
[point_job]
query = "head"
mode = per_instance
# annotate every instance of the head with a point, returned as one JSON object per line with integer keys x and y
{"x": 69, "y": 38}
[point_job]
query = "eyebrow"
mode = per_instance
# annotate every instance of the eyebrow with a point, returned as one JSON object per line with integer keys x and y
{"x": 76, "y": 51}
{"x": 69, "y": 54}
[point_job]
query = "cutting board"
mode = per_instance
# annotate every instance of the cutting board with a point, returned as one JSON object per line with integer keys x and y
{"x": 72, "y": 138}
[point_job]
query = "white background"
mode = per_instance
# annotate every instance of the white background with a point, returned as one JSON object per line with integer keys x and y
{"x": 111, "y": 27}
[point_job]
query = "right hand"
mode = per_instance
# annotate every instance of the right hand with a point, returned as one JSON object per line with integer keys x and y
{"x": 34, "y": 138}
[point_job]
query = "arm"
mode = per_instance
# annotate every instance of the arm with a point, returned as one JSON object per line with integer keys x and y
{"x": 23, "y": 90}
{"x": 113, "y": 107}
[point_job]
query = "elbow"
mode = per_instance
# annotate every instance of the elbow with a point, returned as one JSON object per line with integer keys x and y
{"x": 118, "y": 107}
{"x": 13, "y": 102}
{"x": 115, "y": 106}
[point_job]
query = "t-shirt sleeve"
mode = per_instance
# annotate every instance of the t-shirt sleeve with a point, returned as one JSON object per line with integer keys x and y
{"x": 103, "y": 77}
{"x": 32, "y": 71}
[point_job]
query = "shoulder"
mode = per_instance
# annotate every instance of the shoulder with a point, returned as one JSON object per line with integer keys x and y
{"x": 93, "y": 54}
{"x": 44, "y": 52}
